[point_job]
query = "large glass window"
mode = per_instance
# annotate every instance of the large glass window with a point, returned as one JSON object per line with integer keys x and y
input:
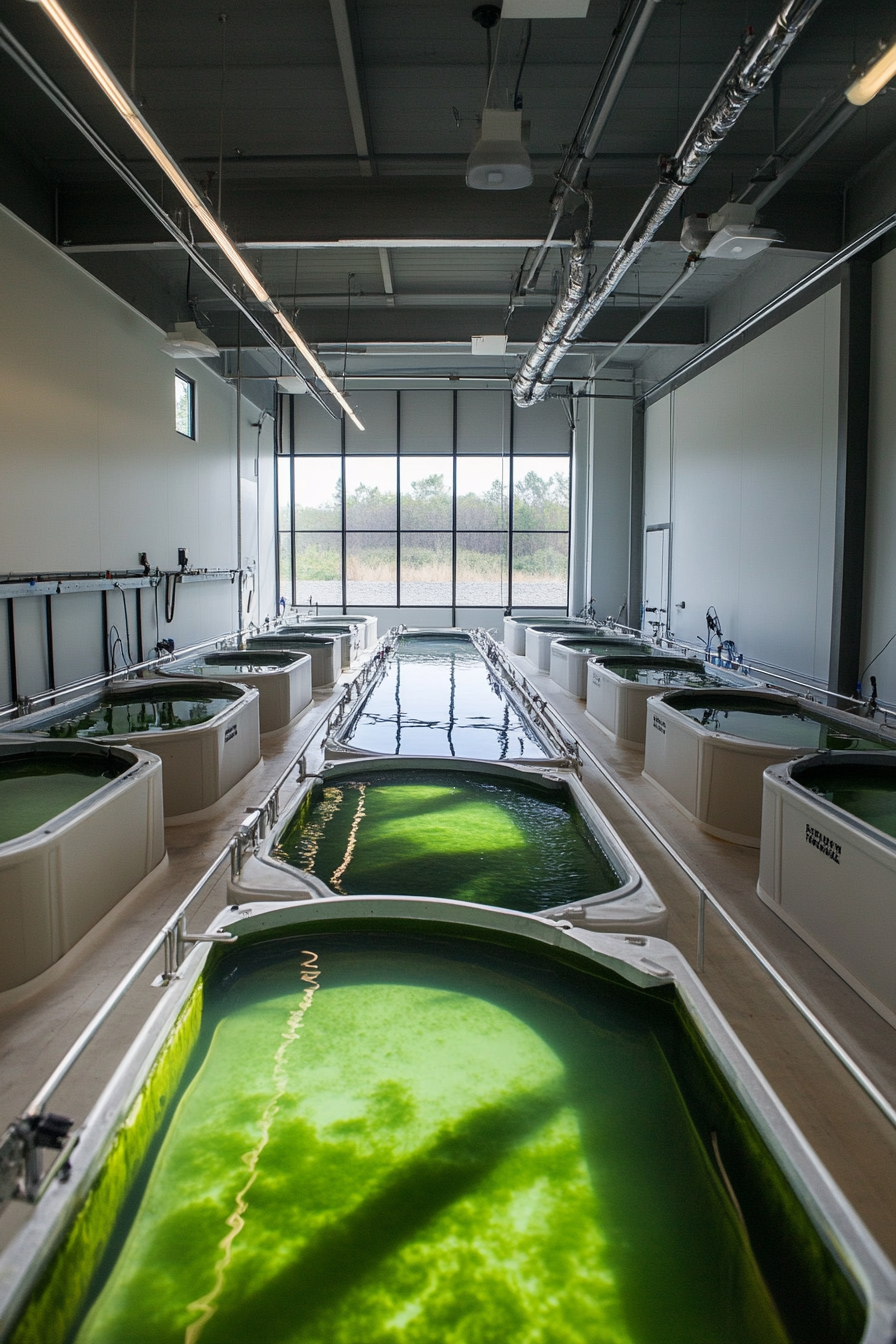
{"x": 453, "y": 530}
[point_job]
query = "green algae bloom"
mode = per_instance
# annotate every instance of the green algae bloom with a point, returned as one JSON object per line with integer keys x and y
{"x": 370, "y": 1158}
{"x": 431, "y": 833}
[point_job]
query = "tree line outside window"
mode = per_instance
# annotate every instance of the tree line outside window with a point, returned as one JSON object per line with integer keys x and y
{"x": 453, "y": 530}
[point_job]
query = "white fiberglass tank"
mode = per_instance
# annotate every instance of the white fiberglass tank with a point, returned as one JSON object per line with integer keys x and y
{"x": 539, "y": 640}
{"x": 827, "y": 863}
{"x": 282, "y": 679}
{"x": 80, "y": 825}
{"x": 618, "y": 689}
{"x": 366, "y": 625}
{"x": 207, "y": 734}
{"x": 515, "y": 628}
{"x": 347, "y": 634}
{"x": 569, "y": 655}
{"x": 325, "y": 652}
{"x": 461, "y": 830}
{"x": 707, "y": 750}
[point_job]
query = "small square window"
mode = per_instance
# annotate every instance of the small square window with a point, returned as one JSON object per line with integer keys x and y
{"x": 185, "y": 406}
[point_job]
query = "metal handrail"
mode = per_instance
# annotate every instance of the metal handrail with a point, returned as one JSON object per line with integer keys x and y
{"x": 535, "y": 705}
{"x": 21, "y": 1174}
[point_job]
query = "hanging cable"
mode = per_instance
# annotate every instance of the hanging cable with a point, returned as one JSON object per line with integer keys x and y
{"x": 517, "y": 100}
{"x": 222, "y": 19}
{"x": 171, "y": 582}
{"x": 127, "y": 627}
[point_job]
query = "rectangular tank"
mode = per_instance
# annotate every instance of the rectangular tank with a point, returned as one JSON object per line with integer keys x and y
{"x": 325, "y": 652}
{"x": 569, "y": 655}
{"x": 515, "y": 628}
{"x": 348, "y": 635}
{"x": 618, "y": 689}
{"x": 282, "y": 680}
{"x": 409, "y": 1120}
{"x": 707, "y": 750}
{"x": 365, "y": 625}
{"x": 437, "y": 696}
{"x": 460, "y": 830}
{"x": 207, "y": 735}
{"x": 827, "y": 863}
{"x": 540, "y": 639}
{"x": 62, "y": 804}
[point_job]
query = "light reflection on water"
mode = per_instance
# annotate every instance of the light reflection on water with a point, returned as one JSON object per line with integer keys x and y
{"x": 437, "y": 697}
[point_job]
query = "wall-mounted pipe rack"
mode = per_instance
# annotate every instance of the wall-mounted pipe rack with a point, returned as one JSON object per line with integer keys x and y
{"x": 58, "y": 585}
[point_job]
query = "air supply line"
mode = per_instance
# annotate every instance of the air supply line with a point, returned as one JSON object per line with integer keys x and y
{"x": 747, "y": 74}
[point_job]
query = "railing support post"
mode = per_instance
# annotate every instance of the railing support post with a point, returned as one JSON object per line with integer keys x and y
{"x": 701, "y": 930}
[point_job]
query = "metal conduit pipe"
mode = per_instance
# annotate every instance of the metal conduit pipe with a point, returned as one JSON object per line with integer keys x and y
{"x": 752, "y": 67}
{"x": 23, "y": 58}
{"x": 627, "y": 37}
{"x": 690, "y": 268}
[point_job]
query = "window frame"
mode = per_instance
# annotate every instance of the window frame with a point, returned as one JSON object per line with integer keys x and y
{"x": 190, "y": 383}
{"x": 287, "y": 580}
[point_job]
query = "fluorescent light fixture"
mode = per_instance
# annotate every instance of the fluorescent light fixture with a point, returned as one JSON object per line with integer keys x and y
{"x": 489, "y": 345}
{"x": 146, "y": 135}
{"x": 545, "y": 9}
{"x": 875, "y": 78}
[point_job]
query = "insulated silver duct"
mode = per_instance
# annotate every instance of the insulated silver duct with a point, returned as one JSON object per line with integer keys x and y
{"x": 752, "y": 67}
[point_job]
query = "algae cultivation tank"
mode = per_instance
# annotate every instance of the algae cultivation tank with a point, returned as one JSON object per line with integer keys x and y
{"x": 619, "y": 688}
{"x": 461, "y": 830}
{"x": 423, "y": 1121}
{"x": 62, "y": 804}
{"x": 282, "y": 679}
{"x": 367, "y": 625}
{"x": 827, "y": 864}
{"x": 206, "y": 735}
{"x": 569, "y": 655}
{"x": 437, "y": 696}
{"x": 325, "y": 652}
{"x": 515, "y": 628}
{"x": 707, "y": 750}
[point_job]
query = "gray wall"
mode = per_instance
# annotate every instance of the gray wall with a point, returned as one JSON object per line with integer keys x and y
{"x": 879, "y": 615}
{"x": 93, "y": 471}
{"x": 601, "y": 508}
{"x": 742, "y": 462}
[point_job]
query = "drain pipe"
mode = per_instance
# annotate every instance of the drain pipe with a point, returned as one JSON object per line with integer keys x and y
{"x": 751, "y": 68}
{"x": 627, "y": 37}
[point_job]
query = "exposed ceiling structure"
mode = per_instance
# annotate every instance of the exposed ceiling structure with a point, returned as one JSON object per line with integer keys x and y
{"x": 333, "y": 137}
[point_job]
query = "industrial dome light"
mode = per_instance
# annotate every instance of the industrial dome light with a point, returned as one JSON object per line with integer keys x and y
{"x": 498, "y": 161}
{"x": 186, "y": 341}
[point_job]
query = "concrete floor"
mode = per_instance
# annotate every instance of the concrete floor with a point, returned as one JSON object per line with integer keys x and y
{"x": 847, "y": 1131}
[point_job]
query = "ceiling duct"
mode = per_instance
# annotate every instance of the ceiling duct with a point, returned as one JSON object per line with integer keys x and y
{"x": 751, "y": 68}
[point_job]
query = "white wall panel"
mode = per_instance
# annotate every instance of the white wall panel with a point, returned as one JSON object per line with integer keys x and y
{"x": 378, "y": 412}
{"x": 93, "y": 470}
{"x": 427, "y": 422}
{"x": 753, "y": 453}
{"x": 879, "y": 621}
{"x": 608, "y": 543}
{"x": 483, "y": 422}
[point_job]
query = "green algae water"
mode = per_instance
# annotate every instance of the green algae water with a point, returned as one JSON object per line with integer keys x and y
{"x": 438, "y": 697}
{"x": 432, "y": 833}
{"x": 143, "y": 710}
{"x": 865, "y": 791}
{"x": 596, "y": 647}
{"x": 36, "y": 788}
{"x": 671, "y": 672}
{"x": 780, "y": 726}
{"x": 388, "y": 1140}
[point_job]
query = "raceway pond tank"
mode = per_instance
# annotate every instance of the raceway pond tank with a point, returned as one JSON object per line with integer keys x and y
{"x": 396, "y": 1138}
{"x": 37, "y": 786}
{"x": 437, "y": 697}
{"x": 465, "y": 838}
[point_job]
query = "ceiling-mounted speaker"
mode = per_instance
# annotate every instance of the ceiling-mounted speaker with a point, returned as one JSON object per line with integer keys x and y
{"x": 186, "y": 341}
{"x": 499, "y": 161}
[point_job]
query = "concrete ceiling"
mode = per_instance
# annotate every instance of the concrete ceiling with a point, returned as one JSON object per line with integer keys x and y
{"x": 342, "y": 170}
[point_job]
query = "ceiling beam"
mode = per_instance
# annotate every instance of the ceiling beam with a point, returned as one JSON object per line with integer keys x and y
{"x": 344, "y": 43}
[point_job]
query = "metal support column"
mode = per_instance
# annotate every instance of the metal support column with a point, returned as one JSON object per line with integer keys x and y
{"x": 636, "y": 525}
{"x": 852, "y": 475}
